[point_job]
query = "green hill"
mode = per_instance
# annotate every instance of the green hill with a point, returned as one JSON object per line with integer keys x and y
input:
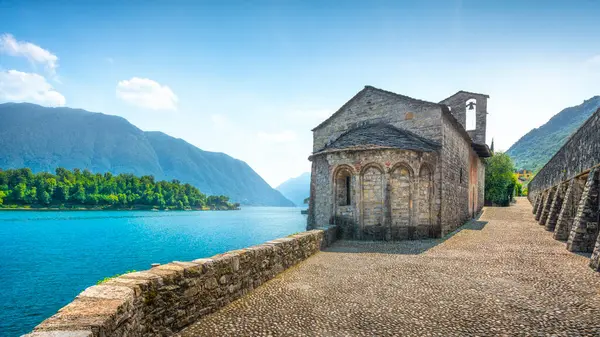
{"x": 535, "y": 149}
{"x": 43, "y": 139}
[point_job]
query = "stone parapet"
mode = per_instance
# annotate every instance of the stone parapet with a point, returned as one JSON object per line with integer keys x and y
{"x": 162, "y": 300}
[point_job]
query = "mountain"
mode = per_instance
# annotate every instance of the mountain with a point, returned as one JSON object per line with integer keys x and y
{"x": 296, "y": 189}
{"x": 537, "y": 147}
{"x": 44, "y": 138}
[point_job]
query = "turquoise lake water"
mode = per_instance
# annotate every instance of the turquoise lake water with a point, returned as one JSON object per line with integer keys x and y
{"x": 47, "y": 258}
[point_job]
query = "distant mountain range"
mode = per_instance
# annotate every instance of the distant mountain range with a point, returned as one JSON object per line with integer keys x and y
{"x": 296, "y": 189}
{"x": 44, "y": 138}
{"x": 537, "y": 147}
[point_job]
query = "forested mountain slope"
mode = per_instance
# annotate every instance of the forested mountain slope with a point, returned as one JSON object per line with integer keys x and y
{"x": 533, "y": 150}
{"x": 44, "y": 138}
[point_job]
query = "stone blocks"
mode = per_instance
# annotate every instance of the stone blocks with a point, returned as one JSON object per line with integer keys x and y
{"x": 564, "y": 223}
{"x": 543, "y": 199}
{"x": 547, "y": 206}
{"x": 585, "y": 226}
{"x": 556, "y": 207}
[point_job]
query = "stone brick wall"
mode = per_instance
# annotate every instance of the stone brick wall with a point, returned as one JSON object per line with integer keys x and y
{"x": 372, "y": 197}
{"x": 393, "y": 197}
{"x": 400, "y": 199}
{"x": 373, "y": 105}
{"x": 455, "y": 164}
{"x": 565, "y": 192}
{"x": 580, "y": 153}
{"x": 164, "y": 299}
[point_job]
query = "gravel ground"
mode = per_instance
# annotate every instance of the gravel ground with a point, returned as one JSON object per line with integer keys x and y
{"x": 501, "y": 276}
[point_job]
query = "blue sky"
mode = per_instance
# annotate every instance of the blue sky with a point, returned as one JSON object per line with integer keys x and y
{"x": 252, "y": 78}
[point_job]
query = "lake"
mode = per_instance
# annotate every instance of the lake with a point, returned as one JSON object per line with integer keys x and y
{"x": 47, "y": 258}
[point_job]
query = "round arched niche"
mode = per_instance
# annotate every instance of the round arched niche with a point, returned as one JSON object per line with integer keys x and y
{"x": 400, "y": 200}
{"x": 372, "y": 212}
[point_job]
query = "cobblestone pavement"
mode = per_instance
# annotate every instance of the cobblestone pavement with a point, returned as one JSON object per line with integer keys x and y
{"x": 501, "y": 276}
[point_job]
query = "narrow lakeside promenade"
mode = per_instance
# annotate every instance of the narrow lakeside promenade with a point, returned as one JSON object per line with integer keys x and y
{"x": 503, "y": 275}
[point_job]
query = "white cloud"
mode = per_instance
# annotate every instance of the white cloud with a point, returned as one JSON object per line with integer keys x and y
{"x": 16, "y": 86}
{"x": 110, "y": 60}
{"x": 278, "y": 137}
{"x": 146, "y": 93}
{"x": 34, "y": 53}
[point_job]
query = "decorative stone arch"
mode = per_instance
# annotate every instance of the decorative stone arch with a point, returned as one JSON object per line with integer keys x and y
{"x": 427, "y": 166}
{"x": 424, "y": 197}
{"x": 371, "y": 165}
{"x": 400, "y": 201}
{"x": 401, "y": 165}
{"x": 340, "y": 169}
{"x": 343, "y": 197}
{"x": 372, "y": 178}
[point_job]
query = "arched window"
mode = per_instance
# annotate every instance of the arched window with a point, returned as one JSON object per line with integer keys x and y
{"x": 471, "y": 113}
{"x": 343, "y": 182}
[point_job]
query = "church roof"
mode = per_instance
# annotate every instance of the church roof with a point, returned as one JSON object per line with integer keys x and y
{"x": 380, "y": 136}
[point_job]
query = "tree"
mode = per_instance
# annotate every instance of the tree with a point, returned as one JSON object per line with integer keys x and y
{"x": 80, "y": 194}
{"x": 19, "y": 191}
{"x": 499, "y": 179}
{"x": 31, "y": 195}
{"x": 45, "y": 198}
{"x": 77, "y": 187}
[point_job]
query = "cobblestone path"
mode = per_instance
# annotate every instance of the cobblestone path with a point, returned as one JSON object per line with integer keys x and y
{"x": 501, "y": 276}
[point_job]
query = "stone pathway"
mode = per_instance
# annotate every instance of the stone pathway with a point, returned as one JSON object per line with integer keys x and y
{"x": 501, "y": 276}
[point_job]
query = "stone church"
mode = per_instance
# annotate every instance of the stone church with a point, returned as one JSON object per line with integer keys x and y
{"x": 390, "y": 167}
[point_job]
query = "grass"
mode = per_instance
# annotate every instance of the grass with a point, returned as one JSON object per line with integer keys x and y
{"x": 106, "y": 279}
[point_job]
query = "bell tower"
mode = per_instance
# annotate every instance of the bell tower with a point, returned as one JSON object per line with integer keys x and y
{"x": 470, "y": 110}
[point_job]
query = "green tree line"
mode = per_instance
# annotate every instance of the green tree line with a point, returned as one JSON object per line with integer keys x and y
{"x": 76, "y": 188}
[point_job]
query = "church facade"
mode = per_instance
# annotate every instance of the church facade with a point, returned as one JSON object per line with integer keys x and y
{"x": 390, "y": 167}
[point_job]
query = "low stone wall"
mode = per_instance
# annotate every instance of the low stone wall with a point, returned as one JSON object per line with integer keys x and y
{"x": 166, "y": 298}
{"x": 580, "y": 153}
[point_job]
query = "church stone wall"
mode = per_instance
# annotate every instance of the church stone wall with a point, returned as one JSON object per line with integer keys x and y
{"x": 455, "y": 164}
{"x": 372, "y": 106}
{"x": 372, "y": 197}
{"x": 386, "y": 203}
{"x": 321, "y": 198}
